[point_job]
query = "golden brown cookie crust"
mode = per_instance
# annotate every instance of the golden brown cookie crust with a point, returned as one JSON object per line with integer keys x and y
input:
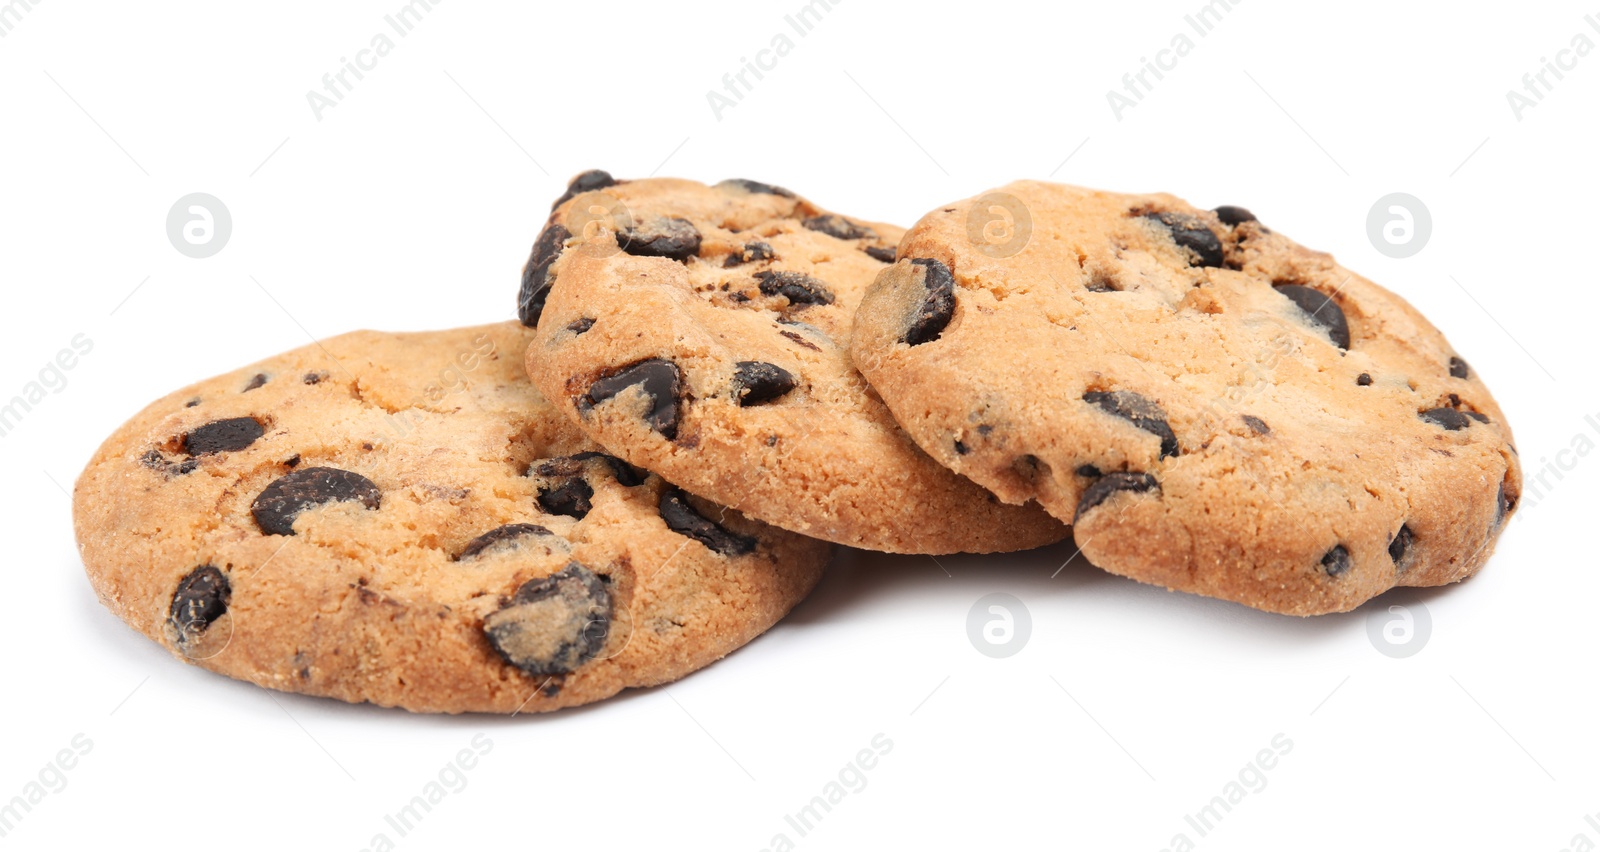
{"x": 389, "y": 604}
{"x": 754, "y": 326}
{"x": 1291, "y": 466}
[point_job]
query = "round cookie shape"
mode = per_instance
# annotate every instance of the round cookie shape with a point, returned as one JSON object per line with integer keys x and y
{"x": 703, "y": 332}
{"x": 402, "y": 519}
{"x": 1215, "y": 408}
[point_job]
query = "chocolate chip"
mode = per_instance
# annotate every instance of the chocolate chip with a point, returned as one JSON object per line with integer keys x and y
{"x": 1400, "y": 544}
{"x": 313, "y": 378}
{"x": 758, "y": 188}
{"x": 681, "y": 518}
{"x": 1449, "y": 418}
{"x": 751, "y": 252}
{"x": 962, "y": 449}
{"x": 276, "y": 507}
{"x": 1256, "y": 424}
{"x": 222, "y": 436}
{"x": 1109, "y": 484}
{"x": 1087, "y": 470}
{"x": 663, "y": 236}
{"x": 881, "y": 253}
{"x": 1364, "y": 379}
{"x": 508, "y": 532}
{"x": 1191, "y": 232}
{"x": 579, "y": 326}
{"x": 1336, "y": 561}
{"x": 192, "y": 403}
{"x": 756, "y": 382}
{"x": 589, "y": 181}
{"x": 1478, "y": 416}
{"x": 1459, "y": 368}
{"x": 660, "y": 380}
{"x": 570, "y": 498}
{"x": 800, "y": 340}
{"x": 1140, "y": 412}
{"x": 797, "y": 287}
{"x": 256, "y": 381}
{"x": 838, "y": 227}
{"x": 625, "y": 474}
{"x": 938, "y": 302}
{"x": 201, "y": 598}
{"x": 1231, "y": 215}
{"x": 554, "y": 624}
{"x": 1323, "y": 311}
{"x": 536, "y": 277}
{"x": 1502, "y": 504}
{"x": 154, "y": 460}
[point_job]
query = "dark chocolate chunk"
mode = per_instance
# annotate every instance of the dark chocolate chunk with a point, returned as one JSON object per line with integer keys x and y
{"x": 756, "y": 382}
{"x": 962, "y": 449}
{"x": 881, "y": 253}
{"x": 589, "y": 181}
{"x": 660, "y": 380}
{"x": 1459, "y": 368}
{"x": 1088, "y": 470}
{"x": 1364, "y": 379}
{"x": 192, "y": 403}
{"x": 938, "y": 302}
{"x": 508, "y": 532}
{"x": 1400, "y": 544}
{"x": 1256, "y": 424}
{"x": 797, "y": 287}
{"x": 752, "y": 252}
{"x": 790, "y": 335}
{"x": 256, "y": 381}
{"x": 760, "y": 188}
{"x": 1336, "y": 561}
{"x": 1231, "y": 215}
{"x": 570, "y": 498}
{"x": 681, "y": 518}
{"x": 1323, "y": 311}
{"x": 276, "y": 507}
{"x": 663, "y": 236}
{"x": 201, "y": 598}
{"x": 1477, "y": 415}
{"x": 1448, "y": 418}
{"x": 554, "y": 624}
{"x": 1191, "y": 232}
{"x": 1503, "y": 503}
{"x": 222, "y": 436}
{"x": 838, "y": 227}
{"x": 581, "y": 325}
{"x": 154, "y": 460}
{"x": 313, "y": 378}
{"x": 1108, "y": 484}
{"x": 1140, "y": 412}
{"x": 625, "y": 474}
{"x": 536, "y": 273}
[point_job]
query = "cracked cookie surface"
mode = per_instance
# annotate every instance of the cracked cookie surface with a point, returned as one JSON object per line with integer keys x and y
{"x": 1216, "y": 409}
{"x": 703, "y": 332}
{"x": 402, "y": 519}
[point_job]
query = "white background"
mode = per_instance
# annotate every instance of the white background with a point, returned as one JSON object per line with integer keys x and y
{"x": 412, "y": 204}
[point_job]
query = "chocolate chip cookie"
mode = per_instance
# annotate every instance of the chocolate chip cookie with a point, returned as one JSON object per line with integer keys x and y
{"x": 703, "y": 332}
{"x": 1215, "y": 408}
{"x": 402, "y": 519}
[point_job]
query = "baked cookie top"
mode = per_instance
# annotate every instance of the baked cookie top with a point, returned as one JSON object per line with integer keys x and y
{"x": 703, "y": 332}
{"x": 402, "y": 519}
{"x": 1215, "y": 408}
